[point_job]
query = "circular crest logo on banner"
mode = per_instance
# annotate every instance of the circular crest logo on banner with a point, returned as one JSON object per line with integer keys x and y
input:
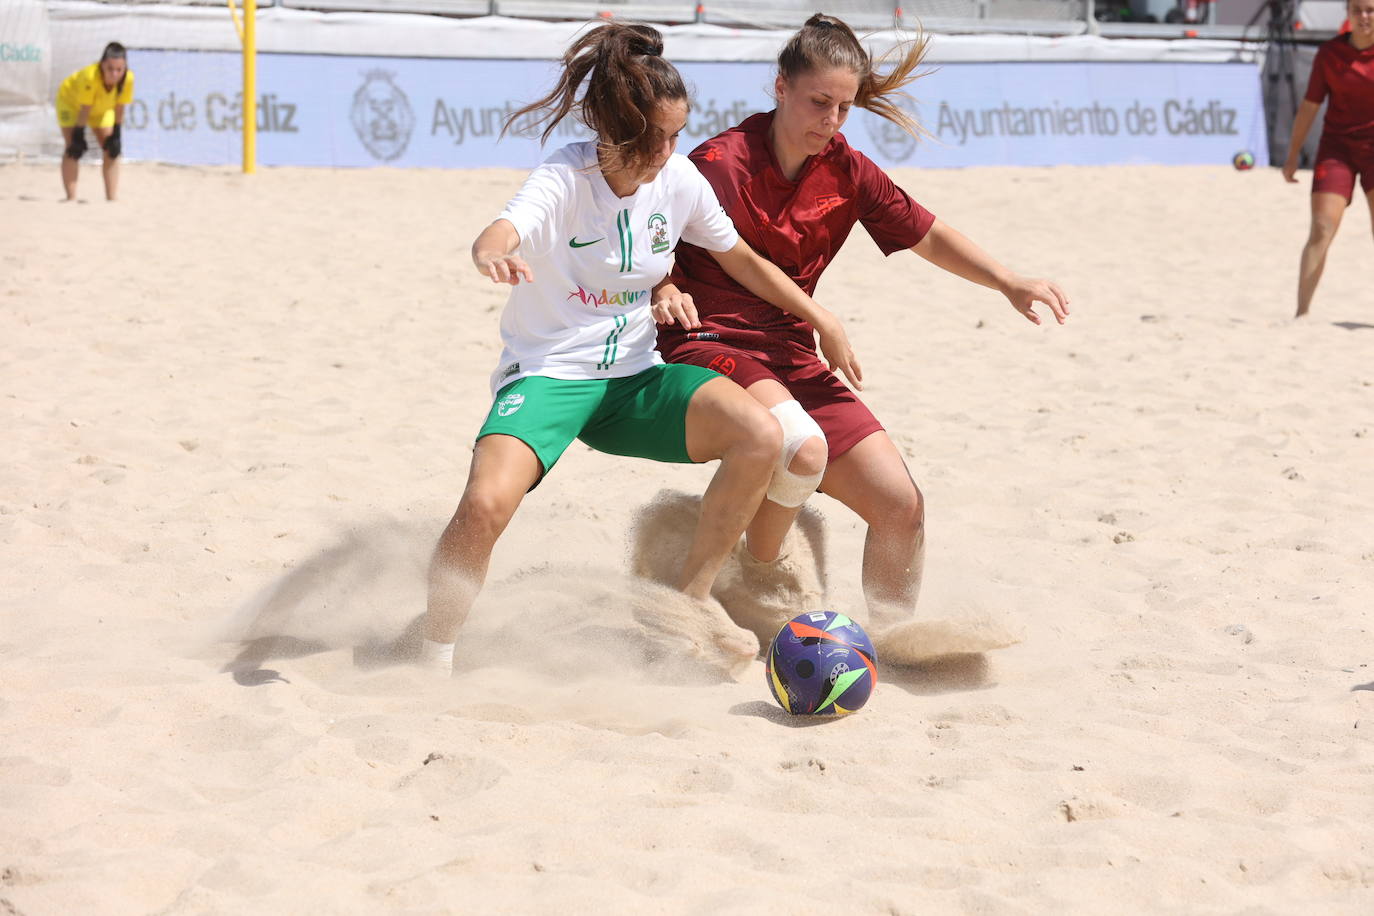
{"x": 893, "y": 142}
{"x": 382, "y": 117}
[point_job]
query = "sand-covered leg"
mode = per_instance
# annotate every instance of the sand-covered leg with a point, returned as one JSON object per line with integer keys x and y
{"x": 758, "y": 596}
{"x": 661, "y": 534}
{"x": 763, "y": 596}
{"x": 503, "y": 469}
{"x": 727, "y": 426}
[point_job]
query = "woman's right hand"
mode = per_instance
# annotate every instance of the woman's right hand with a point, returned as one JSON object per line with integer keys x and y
{"x": 494, "y": 255}
{"x": 1290, "y": 168}
{"x": 502, "y": 268}
{"x": 838, "y": 353}
{"x": 77, "y": 148}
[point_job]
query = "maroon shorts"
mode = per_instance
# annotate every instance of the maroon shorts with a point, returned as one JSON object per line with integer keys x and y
{"x": 1339, "y": 160}
{"x": 845, "y": 420}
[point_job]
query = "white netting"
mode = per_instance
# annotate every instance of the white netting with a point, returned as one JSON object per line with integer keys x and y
{"x": 26, "y": 110}
{"x": 862, "y": 14}
{"x": 173, "y": 92}
{"x": 787, "y": 14}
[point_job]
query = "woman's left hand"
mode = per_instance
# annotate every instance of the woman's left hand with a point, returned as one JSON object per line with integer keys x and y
{"x": 837, "y": 352}
{"x": 1024, "y": 292}
{"x": 672, "y": 306}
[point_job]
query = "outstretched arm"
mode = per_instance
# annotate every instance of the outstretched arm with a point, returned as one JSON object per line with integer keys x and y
{"x": 1302, "y": 123}
{"x": 494, "y": 254}
{"x": 947, "y": 248}
{"x": 763, "y": 278}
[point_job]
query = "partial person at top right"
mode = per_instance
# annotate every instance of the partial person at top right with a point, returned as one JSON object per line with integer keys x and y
{"x": 1342, "y": 72}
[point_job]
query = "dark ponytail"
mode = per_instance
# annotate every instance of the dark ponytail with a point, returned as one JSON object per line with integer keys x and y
{"x": 626, "y": 79}
{"x": 827, "y": 43}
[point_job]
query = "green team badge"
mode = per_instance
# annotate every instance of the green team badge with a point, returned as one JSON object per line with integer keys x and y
{"x": 658, "y": 233}
{"x": 509, "y": 404}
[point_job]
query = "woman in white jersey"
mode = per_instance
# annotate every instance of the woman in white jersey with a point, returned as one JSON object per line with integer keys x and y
{"x": 583, "y": 243}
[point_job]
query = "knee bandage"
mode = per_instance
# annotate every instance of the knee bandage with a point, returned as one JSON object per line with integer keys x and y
{"x": 789, "y": 489}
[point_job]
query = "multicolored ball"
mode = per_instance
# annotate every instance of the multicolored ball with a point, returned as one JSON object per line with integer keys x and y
{"x": 821, "y": 664}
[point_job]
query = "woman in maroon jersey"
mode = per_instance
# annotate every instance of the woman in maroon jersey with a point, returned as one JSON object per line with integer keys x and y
{"x": 795, "y": 188}
{"x": 1344, "y": 72}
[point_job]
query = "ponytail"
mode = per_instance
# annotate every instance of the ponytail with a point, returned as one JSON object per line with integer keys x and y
{"x": 826, "y": 43}
{"x": 626, "y": 78}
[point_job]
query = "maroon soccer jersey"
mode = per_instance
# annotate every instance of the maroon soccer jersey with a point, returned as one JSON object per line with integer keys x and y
{"x": 1346, "y": 74}
{"x": 798, "y": 225}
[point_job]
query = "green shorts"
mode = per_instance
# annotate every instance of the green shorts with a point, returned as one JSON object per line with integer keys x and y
{"x": 642, "y": 416}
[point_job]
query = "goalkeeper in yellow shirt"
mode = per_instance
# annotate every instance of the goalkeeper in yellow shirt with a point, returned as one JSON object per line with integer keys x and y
{"x": 94, "y": 97}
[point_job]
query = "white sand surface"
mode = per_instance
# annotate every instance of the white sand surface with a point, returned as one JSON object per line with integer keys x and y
{"x": 242, "y": 407}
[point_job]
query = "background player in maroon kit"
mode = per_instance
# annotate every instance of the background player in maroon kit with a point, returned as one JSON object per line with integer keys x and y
{"x": 795, "y": 189}
{"x": 1344, "y": 72}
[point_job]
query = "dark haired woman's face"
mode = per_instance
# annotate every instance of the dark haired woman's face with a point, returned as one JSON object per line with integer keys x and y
{"x": 813, "y": 107}
{"x": 666, "y": 125}
{"x": 112, "y": 70}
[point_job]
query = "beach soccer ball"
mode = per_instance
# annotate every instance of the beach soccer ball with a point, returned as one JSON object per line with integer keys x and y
{"x": 821, "y": 664}
{"x": 1244, "y": 160}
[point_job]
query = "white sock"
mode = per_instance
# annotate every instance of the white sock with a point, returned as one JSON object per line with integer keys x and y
{"x": 438, "y": 655}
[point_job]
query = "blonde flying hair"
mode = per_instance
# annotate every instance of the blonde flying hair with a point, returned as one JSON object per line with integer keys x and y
{"x": 827, "y": 43}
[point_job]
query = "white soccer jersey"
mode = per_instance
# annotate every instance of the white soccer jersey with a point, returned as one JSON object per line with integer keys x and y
{"x": 596, "y": 258}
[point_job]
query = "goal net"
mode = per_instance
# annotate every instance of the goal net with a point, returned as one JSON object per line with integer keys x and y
{"x": 185, "y": 59}
{"x": 26, "y": 110}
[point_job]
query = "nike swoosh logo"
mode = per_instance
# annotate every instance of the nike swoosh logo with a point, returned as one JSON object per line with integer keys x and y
{"x": 574, "y": 243}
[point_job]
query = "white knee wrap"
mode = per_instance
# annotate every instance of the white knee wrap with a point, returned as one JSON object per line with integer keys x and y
{"x": 789, "y": 489}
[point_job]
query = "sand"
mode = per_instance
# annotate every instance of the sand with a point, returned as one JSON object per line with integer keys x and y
{"x": 237, "y": 410}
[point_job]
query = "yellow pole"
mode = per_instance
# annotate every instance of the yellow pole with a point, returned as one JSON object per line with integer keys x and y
{"x": 250, "y": 87}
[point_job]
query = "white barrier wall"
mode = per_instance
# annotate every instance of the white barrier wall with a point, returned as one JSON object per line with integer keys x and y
{"x": 338, "y": 91}
{"x": 25, "y": 75}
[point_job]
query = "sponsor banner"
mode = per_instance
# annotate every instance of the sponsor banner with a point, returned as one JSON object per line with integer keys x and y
{"x": 318, "y": 110}
{"x": 1081, "y": 114}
